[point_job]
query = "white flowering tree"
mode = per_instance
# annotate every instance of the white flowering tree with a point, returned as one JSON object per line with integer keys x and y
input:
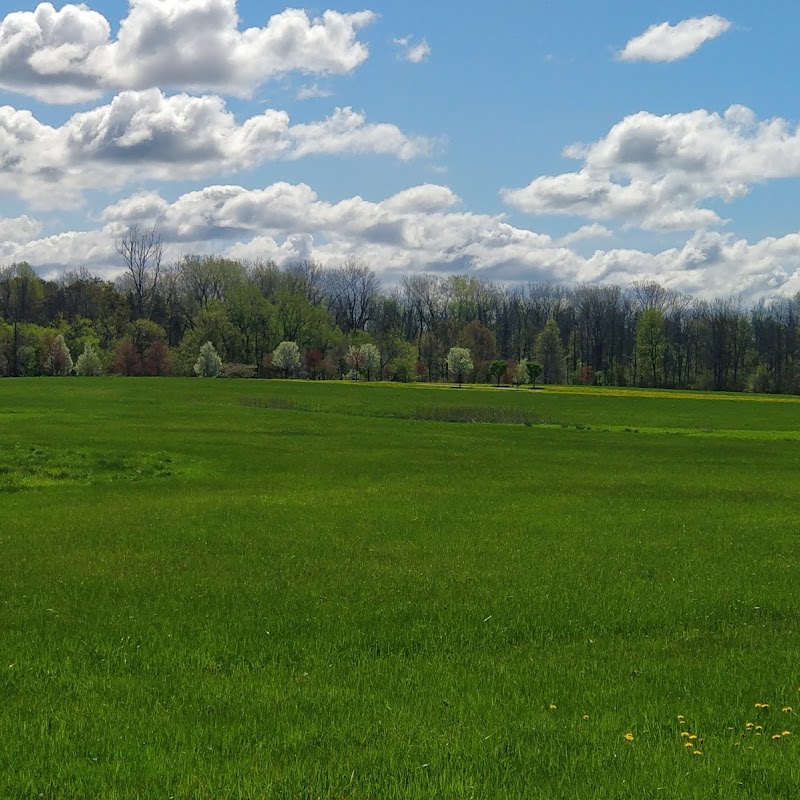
{"x": 521, "y": 373}
{"x": 59, "y": 360}
{"x": 355, "y": 360}
{"x": 208, "y": 364}
{"x": 372, "y": 360}
{"x": 459, "y": 363}
{"x": 286, "y": 356}
{"x": 89, "y": 364}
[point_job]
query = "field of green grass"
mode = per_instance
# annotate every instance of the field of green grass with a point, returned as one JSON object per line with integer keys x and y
{"x": 269, "y": 589}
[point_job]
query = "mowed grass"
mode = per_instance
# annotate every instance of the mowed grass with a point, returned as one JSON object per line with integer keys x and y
{"x": 219, "y": 589}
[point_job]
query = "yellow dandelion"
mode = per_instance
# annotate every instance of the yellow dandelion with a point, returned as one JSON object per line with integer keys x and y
{"x": 586, "y": 716}
{"x": 685, "y": 734}
{"x": 758, "y": 733}
{"x": 761, "y": 705}
{"x": 688, "y": 744}
{"x": 553, "y": 706}
{"x": 787, "y": 710}
{"x": 681, "y": 717}
{"x": 692, "y": 737}
{"x": 749, "y": 726}
{"x": 786, "y": 733}
{"x": 697, "y": 752}
{"x": 776, "y": 736}
{"x": 759, "y": 727}
{"x": 628, "y": 737}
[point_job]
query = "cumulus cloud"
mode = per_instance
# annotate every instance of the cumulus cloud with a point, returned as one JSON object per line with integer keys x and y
{"x": 18, "y": 230}
{"x": 419, "y": 229}
{"x": 414, "y": 53}
{"x": 667, "y": 42}
{"x": 69, "y": 55}
{"x": 654, "y": 171}
{"x": 147, "y": 135}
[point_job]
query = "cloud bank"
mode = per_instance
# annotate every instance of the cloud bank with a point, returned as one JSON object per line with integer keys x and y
{"x": 147, "y": 135}
{"x": 69, "y": 55}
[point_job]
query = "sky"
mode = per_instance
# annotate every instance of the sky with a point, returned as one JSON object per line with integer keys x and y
{"x": 580, "y": 141}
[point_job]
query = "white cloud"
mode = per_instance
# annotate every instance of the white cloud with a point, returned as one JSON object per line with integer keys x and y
{"x": 411, "y": 52}
{"x": 68, "y": 55}
{"x": 312, "y": 92}
{"x": 654, "y": 171}
{"x": 147, "y": 135}
{"x": 586, "y": 232}
{"x": 667, "y": 42}
{"x": 19, "y": 230}
{"x": 419, "y": 229}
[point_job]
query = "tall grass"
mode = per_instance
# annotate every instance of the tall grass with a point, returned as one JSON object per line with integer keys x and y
{"x": 279, "y": 589}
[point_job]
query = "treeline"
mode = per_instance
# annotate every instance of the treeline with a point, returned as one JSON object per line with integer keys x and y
{"x": 155, "y": 320}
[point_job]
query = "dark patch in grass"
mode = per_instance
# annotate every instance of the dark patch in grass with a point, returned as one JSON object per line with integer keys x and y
{"x": 37, "y": 467}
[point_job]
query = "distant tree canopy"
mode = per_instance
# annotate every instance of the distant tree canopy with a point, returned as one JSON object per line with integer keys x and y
{"x": 156, "y": 317}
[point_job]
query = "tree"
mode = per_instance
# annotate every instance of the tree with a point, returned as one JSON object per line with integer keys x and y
{"x": 141, "y": 250}
{"x": 651, "y": 345}
{"x": 21, "y": 293}
{"x": 372, "y": 360}
{"x": 497, "y": 369}
{"x": 521, "y": 373}
{"x": 550, "y": 353}
{"x": 58, "y": 358}
{"x": 459, "y": 362}
{"x": 89, "y": 364}
{"x": 534, "y": 371}
{"x": 208, "y": 364}
{"x": 156, "y": 361}
{"x": 355, "y": 360}
{"x": 127, "y": 360}
{"x": 286, "y": 356}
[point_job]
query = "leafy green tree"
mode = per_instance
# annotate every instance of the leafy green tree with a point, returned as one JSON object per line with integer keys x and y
{"x": 497, "y": 369}
{"x": 534, "y": 371}
{"x": 286, "y": 356}
{"x": 89, "y": 364}
{"x": 550, "y": 353}
{"x": 651, "y": 345}
{"x": 403, "y": 365}
{"x": 208, "y": 364}
{"x": 459, "y": 363}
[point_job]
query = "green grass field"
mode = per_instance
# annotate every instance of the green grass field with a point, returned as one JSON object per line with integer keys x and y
{"x": 221, "y": 589}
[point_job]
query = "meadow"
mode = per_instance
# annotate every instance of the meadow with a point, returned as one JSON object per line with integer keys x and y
{"x": 280, "y": 589}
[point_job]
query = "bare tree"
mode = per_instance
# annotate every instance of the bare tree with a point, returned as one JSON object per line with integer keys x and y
{"x": 141, "y": 250}
{"x": 352, "y": 290}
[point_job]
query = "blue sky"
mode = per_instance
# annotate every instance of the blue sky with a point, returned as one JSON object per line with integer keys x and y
{"x": 447, "y": 158}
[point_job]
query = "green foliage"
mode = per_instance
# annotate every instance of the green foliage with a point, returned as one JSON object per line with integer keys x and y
{"x": 651, "y": 345}
{"x": 534, "y": 371}
{"x": 497, "y": 369}
{"x": 208, "y": 364}
{"x": 550, "y": 353}
{"x": 89, "y": 364}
